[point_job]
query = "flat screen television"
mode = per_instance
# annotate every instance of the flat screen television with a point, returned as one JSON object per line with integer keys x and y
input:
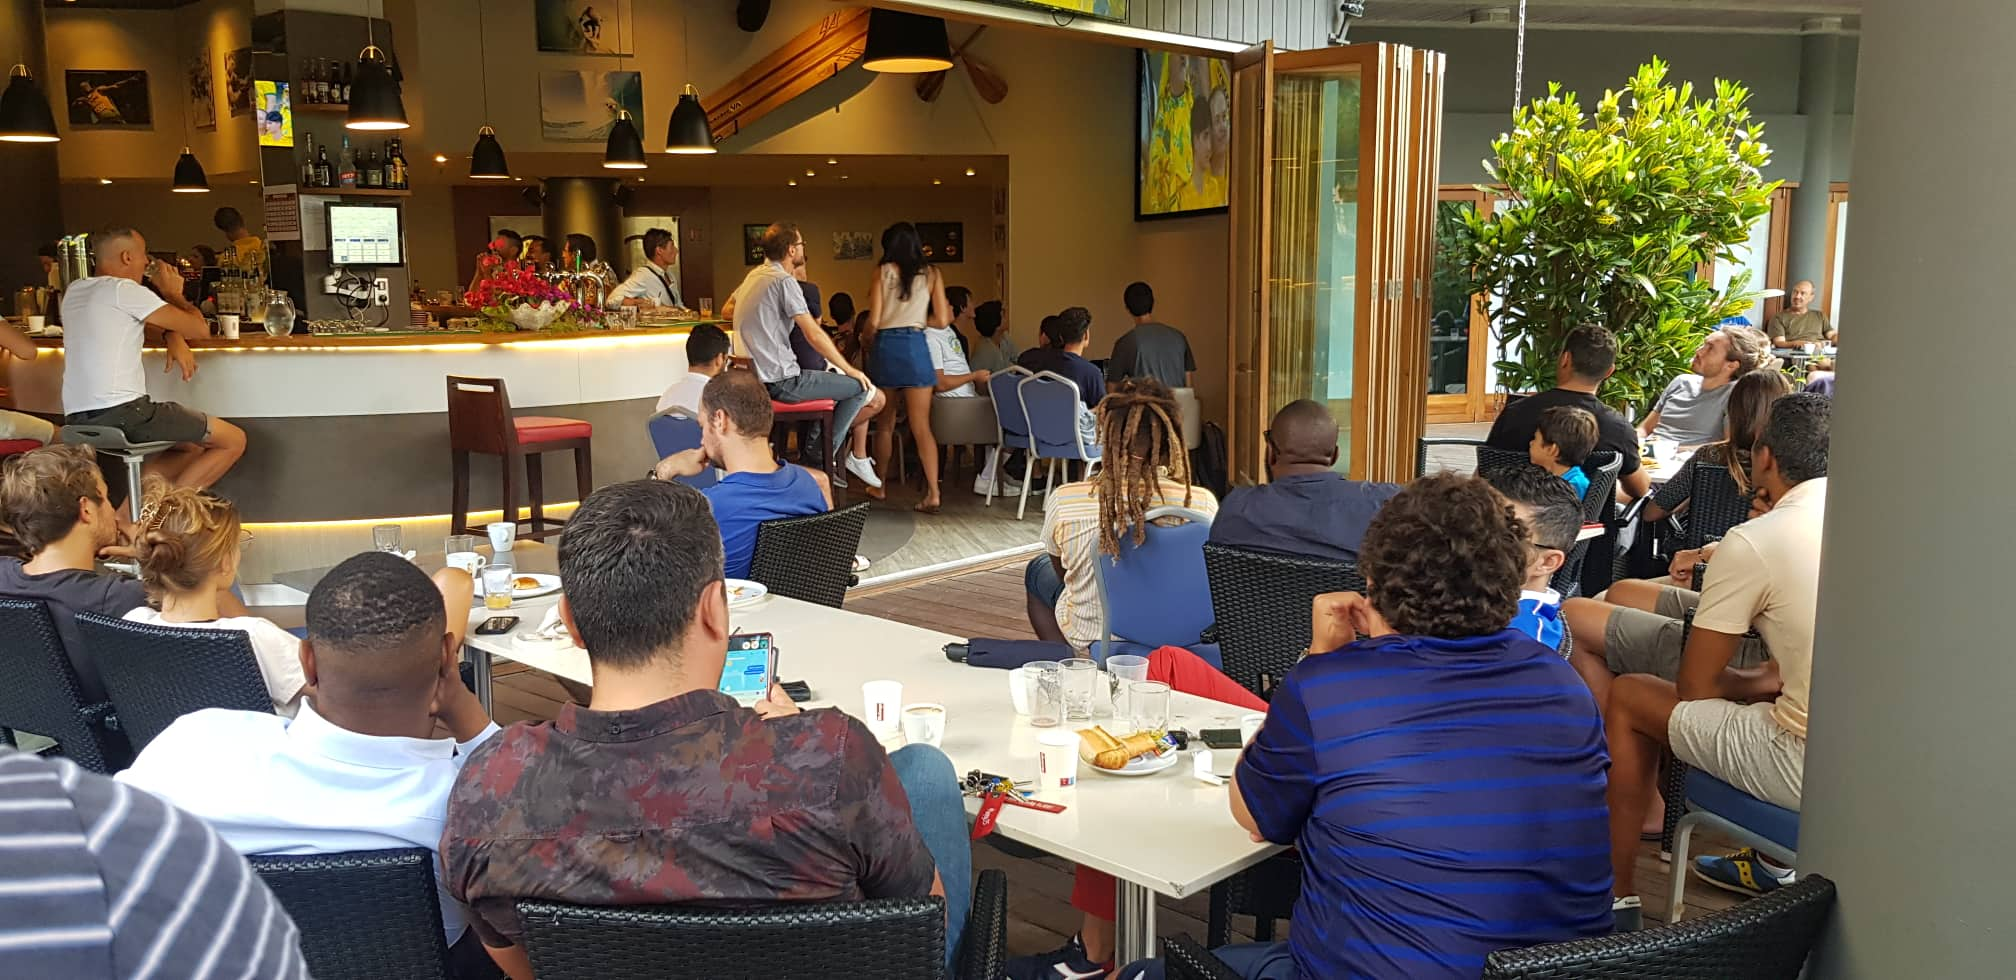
{"x": 365, "y": 234}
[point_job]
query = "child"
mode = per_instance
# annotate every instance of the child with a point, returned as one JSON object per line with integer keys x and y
{"x": 1553, "y": 518}
{"x": 1565, "y": 438}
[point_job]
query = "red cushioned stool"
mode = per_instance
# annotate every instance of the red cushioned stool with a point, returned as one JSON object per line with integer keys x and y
{"x": 480, "y": 421}
{"x": 15, "y": 447}
{"x": 800, "y": 414}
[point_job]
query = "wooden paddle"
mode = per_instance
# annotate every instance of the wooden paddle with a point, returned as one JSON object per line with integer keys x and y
{"x": 991, "y": 86}
{"x": 932, "y": 83}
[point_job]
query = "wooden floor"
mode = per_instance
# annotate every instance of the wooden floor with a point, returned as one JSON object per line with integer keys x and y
{"x": 989, "y": 602}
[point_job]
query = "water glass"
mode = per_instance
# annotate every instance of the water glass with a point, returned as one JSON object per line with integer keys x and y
{"x": 706, "y": 307}
{"x": 498, "y": 585}
{"x": 385, "y": 537}
{"x": 1080, "y": 678}
{"x": 1126, "y": 669}
{"x": 455, "y": 544}
{"x": 1148, "y": 704}
{"x": 1046, "y": 693}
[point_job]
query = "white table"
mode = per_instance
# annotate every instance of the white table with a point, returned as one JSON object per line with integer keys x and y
{"x": 1167, "y": 833}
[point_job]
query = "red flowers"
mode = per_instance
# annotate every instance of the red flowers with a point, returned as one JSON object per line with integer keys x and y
{"x": 506, "y": 284}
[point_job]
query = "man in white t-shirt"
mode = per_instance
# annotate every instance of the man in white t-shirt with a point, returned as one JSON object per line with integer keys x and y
{"x": 706, "y": 356}
{"x": 106, "y": 320}
{"x": 650, "y": 284}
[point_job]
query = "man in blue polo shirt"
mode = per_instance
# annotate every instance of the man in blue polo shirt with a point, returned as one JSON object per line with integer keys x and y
{"x": 735, "y": 418}
{"x": 1308, "y": 508}
{"x": 1443, "y": 779}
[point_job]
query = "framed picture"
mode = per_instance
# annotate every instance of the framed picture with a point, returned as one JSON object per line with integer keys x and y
{"x": 238, "y": 81}
{"x": 581, "y": 106}
{"x": 851, "y": 245}
{"x": 944, "y": 241}
{"x": 108, "y": 99}
{"x": 202, "y": 91}
{"x": 1183, "y": 150}
{"x": 582, "y": 26}
{"x": 1102, "y": 9}
{"x": 752, "y": 244}
{"x": 276, "y": 116}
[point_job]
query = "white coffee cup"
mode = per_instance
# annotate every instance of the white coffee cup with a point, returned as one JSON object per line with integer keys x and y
{"x": 1249, "y": 726}
{"x": 227, "y": 326}
{"x": 882, "y": 706}
{"x": 502, "y": 534}
{"x": 1018, "y": 690}
{"x": 924, "y": 723}
{"x": 468, "y": 561}
{"x": 1056, "y": 761}
{"x": 36, "y": 322}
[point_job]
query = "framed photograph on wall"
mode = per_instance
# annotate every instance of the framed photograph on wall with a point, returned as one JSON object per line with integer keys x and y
{"x": 108, "y": 99}
{"x": 202, "y": 90}
{"x": 752, "y": 244}
{"x": 944, "y": 241}
{"x": 582, "y": 26}
{"x": 581, "y": 106}
{"x": 238, "y": 81}
{"x": 852, "y": 245}
{"x": 1183, "y": 146}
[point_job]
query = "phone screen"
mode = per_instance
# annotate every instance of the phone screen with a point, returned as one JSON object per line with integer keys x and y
{"x": 752, "y": 660}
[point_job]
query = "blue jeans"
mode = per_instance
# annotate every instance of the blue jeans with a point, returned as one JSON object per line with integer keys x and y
{"x": 848, "y": 397}
{"x": 1250, "y": 961}
{"x": 939, "y": 810}
{"x": 1040, "y": 579}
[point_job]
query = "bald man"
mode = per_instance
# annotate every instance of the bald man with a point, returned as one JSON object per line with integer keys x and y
{"x": 1308, "y": 509}
{"x": 1798, "y": 323}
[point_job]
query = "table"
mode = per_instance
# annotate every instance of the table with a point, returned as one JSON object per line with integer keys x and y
{"x": 1665, "y": 468}
{"x": 1167, "y": 833}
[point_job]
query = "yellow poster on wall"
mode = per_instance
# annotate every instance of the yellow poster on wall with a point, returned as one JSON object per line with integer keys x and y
{"x": 275, "y": 114}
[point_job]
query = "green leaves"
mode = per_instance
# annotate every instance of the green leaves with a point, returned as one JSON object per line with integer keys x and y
{"x": 1604, "y": 218}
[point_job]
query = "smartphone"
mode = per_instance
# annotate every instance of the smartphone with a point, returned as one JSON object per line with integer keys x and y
{"x": 752, "y": 662}
{"x": 1221, "y": 738}
{"x": 496, "y": 626}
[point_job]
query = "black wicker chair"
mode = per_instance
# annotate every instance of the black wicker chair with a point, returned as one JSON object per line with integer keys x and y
{"x": 1183, "y": 959}
{"x": 156, "y": 674}
{"x": 810, "y": 558}
{"x": 39, "y": 691}
{"x": 1765, "y": 938}
{"x": 363, "y": 915}
{"x": 899, "y": 939}
{"x": 1261, "y": 602}
{"x": 1596, "y": 569}
{"x": 1714, "y": 504}
{"x": 1488, "y": 456}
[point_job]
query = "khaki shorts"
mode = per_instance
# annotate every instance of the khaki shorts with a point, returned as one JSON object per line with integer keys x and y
{"x": 145, "y": 420}
{"x": 16, "y": 426}
{"x": 1640, "y": 642}
{"x": 1740, "y": 745}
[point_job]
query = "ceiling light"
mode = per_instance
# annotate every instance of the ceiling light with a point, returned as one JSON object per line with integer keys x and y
{"x": 189, "y": 178}
{"x": 104, "y": 180}
{"x": 375, "y": 103}
{"x": 843, "y": 176}
{"x": 790, "y": 183}
{"x": 935, "y": 181}
{"x": 810, "y": 173}
{"x": 906, "y": 43}
{"x": 440, "y": 158}
{"x": 625, "y": 150}
{"x": 832, "y": 162}
{"x": 486, "y": 159}
{"x": 24, "y": 112}
{"x": 969, "y": 171}
{"x": 688, "y": 132}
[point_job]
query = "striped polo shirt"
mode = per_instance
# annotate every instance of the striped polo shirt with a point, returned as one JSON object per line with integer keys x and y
{"x": 1447, "y": 799}
{"x": 1071, "y": 532}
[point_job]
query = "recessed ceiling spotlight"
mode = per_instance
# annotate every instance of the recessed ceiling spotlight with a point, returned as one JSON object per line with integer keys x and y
{"x": 935, "y": 181}
{"x": 440, "y": 158}
{"x": 969, "y": 171}
{"x": 811, "y": 173}
{"x": 832, "y": 161}
{"x": 843, "y": 176}
{"x": 791, "y": 183}
{"x": 104, "y": 180}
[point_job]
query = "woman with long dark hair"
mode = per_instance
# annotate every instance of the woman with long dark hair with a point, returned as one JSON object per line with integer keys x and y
{"x": 907, "y": 296}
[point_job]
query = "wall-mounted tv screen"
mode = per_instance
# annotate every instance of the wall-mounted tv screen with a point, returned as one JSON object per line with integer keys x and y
{"x": 365, "y": 234}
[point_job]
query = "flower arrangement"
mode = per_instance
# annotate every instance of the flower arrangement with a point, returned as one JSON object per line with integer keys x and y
{"x": 512, "y": 295}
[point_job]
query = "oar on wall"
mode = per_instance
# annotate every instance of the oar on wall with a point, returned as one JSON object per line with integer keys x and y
{"x": 990, "y": 85}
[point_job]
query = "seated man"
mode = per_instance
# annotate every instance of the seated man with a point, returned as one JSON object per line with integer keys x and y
{"x": 1689, "y": 412}
{"x": 706, "y": 356}
{"x": 755, "y": 485}
{"x": 359, "y": 768}
{"x": 1068, "y": 336}
{"x": 20, "y": 426}
{"x": 664, "y": 790}
{"x": 1152, "y": 349}
{"x": 1799, "y": 323}
{"x": 105, "y": 321}
{"x": 1553, "y": 517}
{"x": 1588, "y": 356}
{"x": 1307, "y": 508}
{"x": 1422, "y": 854}
{"x": 993, "y": 352}
{"x": 1765, "y": 577}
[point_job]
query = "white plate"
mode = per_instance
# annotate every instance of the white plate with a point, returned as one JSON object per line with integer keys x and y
{"x": 548, "y": 584}
{"x": 1142, "y": 765}
{"x": 742, "y": 592}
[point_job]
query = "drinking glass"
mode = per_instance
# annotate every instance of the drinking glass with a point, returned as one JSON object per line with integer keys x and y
{"x": 497, "y": 586}
{"x": 1126, "y": 670}
{"x": 458, "y": 543}
{"x": 706, "y": 307}
{"x": 1080, "y": 676}
{"x": 385, "y": 537}
{"x": 1149, "y": 703}
{"x": 1046, "y": 693}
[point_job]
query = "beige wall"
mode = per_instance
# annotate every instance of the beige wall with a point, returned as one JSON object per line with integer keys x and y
{"x": 169, "y": 220}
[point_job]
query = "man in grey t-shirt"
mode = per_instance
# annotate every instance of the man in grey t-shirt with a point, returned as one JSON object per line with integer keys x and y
{"x": 1690, "y": 411}
{"x": 1152, "y": 349}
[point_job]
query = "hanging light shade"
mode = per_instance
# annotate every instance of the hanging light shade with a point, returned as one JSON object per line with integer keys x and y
{"x": 486, "y": 161}
{"x": 189, "y": 178}
{"x": 375, "y": 102}
{"x": 24, "y": 112}
{"x": 626, "y": 145}
{"x": 906, "y": 43}
{"x": 688, "y": 131}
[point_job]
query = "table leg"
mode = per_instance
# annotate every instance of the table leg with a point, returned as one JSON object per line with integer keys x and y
{"x": 1134, "y": 931}
{"x": 479, "y": 663}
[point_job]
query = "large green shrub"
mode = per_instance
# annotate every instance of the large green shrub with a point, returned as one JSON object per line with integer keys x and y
{"x": 1605, "y": 218}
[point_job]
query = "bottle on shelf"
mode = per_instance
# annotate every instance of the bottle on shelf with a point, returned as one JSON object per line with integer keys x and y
{"x": 339, "y": 89}
{"x": 308, "y": 162}
{"x": 368, "y": 174}
{"x": 396, "y": 174}
{"x": 313, "y": 91}
{"x": 346, "y": 165}
{"x": 323, "y": 174}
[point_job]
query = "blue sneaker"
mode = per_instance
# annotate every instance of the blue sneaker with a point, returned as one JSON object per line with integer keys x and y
{"x": 1067, "y": 962}
{"x": 1741, "y": 873}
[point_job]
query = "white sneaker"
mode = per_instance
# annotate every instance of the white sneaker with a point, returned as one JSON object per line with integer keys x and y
{"x": 1003, "y": 486}
{"x": 865, "y": 469}
{"x": 860, "y": 563}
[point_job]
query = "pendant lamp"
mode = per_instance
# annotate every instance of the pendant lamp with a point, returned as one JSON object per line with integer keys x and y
{"x": 907, "y": 43}
{"x": 189, "y": 178}
{"x": 486, "y": 161}
{"x": 688, "y": 131}
{"x": 626, "y": 146}
{"x": 24, "y": 112}
{"x": 375, "y": 102}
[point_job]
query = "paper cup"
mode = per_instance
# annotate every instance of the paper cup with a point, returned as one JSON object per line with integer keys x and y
{"x": 882, "y": 706}
{"x": 1056, "y": 761}
{"x": 36, "y": 322}
{"x": 1249, "y": 726}
{"x": 1018, "y": 690}
{"x": 924, "y": 724}
{"x": 227, "y": 326}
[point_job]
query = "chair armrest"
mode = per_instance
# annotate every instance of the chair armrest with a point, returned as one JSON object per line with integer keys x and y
{"x": 984, "y": 947}
{"x": 100, "y": 715}
{"x": 1188, "y": 961}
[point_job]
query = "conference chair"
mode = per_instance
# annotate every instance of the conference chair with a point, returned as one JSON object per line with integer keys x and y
{"x": 1261, "y": 605}
{"x": 1735, "y": 814}
{"x": 156, "y": 674}
{"x": 810, "y": 558}
{"x": 673, "y": 432}
{"x": 40, "y": 692}
{"x": 1051, "y": 401}
{"x": 1157, "y": 593}
{"x": 892, "y": 938}
{"x": 363, "y": 915}
{"x": 1011, "y": 423}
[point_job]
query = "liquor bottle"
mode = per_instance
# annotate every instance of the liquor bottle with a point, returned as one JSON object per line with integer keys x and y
{"x": 346, "y": 164}
{"x": 368, "y": 174}
{"x": 339, "y": 91}
{"x": 308, "y": 163}
{"x": 395, "y": 168}
{"x": 323, "y": 173}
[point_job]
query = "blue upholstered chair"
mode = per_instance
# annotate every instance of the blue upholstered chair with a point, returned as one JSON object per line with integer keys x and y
{"x": 672, "y": 432}
{"x": 1156, "y": 593}
{"x": 1735, "y": 814}
{"x": 1012, "y": 427}
{"x": 1051, "y": 401}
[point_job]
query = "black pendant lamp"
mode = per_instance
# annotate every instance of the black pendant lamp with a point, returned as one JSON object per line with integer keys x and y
{"x": 626, "y": 145}
{"x": 375, "y": 102}
{"x": 24, "y": 112}
{"x": 189, "y": 178}
{"x": 901, "y": 42}
{"x": 486, "y": 161}
{"x": 688, "y": 131}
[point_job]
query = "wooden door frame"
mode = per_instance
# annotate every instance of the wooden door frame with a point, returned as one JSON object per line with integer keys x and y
{"x": 1249, "y": 297}
{"x": 1837, "y": 195}
{"x": 1469, "y": 406}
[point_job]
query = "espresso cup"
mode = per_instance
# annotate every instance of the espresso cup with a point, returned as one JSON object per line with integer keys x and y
{"x": 227, "y": 326}
{"x": 924, "y": 723}
{"x": 502, "y": 534}
{"x": 468, "y": 561}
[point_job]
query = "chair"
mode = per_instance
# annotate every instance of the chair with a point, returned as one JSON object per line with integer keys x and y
{"x": 363, "y": 915}
{"x": 1714, "y": 504}
{"x": 810, "y": 558}
{"x": 894, "y": 938}
{"x": 675, "y": 433}
{"x": 15, "y": 447}
{"x": 1011, "y": 423}
{"x": 1157, "y": 593}
{"x": 1594, "y": 573}
{"x": 39, "y": 691}
{"x": 1488, "y": 456}
{"x": 799, "y": 415}
{"x": 1051, "y": 401}
{"x": 1734, "y": 813}
{"x": 156, "y": 674}
{"x": 1261, "y": 603}
{"x": 109, "y": 441}
{"x": 480, "y": 421}
{"x": 1191, "y": 417}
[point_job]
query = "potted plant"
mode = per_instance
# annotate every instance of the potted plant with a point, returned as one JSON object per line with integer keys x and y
{"x": 516, "y": 297}
{"x": 1608, "y": 219}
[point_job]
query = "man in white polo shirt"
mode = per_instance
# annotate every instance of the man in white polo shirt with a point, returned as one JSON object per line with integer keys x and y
{"x": 106, "y": 320}
{"x": 650, "y": 284}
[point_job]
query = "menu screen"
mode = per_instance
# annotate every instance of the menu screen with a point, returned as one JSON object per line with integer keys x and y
{"x": 361, "y": 234}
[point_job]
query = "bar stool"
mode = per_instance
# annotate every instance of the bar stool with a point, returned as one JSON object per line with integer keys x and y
{"x": 797, "y": 415}
{"x": 109, "y": 441}
{"x": 15, "y": 447}
{"x": 480, "y": 421}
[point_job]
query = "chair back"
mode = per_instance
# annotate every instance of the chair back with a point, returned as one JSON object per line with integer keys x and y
{"x": 1157, "y": 593}
{"x": 39, "y": 691}
{"x": 1602, "y": 467}
{"x": 1423, "y": 444}
{"x": 1766, "y": 938}
{"x": 1052, "y": 402}
{"x": 1714, "y": 504}
{"x": 363, "y": 915}
{"x": 895, "y": 938}
{"x": 479, "y": 416}
{"x": 156, "y": 674}
{"x": 1492, "y": 457}
{"x": 674, "y": 433}
{"x": 810, "y": 558}
{"x": 1262, "y": 603}
{"x": 1009, "y": 415}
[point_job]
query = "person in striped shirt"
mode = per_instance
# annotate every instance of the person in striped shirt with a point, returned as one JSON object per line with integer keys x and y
{"x": 100, "y": 881}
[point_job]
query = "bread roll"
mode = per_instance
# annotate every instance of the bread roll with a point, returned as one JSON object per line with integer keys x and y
{"x": 1103, "y": 749}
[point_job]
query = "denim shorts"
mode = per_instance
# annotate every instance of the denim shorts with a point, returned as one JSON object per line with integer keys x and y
{"x": 902, "y": 359}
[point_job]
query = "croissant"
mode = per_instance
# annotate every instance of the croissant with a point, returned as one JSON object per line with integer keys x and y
{"x": 1103, "y": 749}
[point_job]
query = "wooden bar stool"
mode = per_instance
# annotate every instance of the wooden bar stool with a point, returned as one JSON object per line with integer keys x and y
{"x": 480, "y": 421}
